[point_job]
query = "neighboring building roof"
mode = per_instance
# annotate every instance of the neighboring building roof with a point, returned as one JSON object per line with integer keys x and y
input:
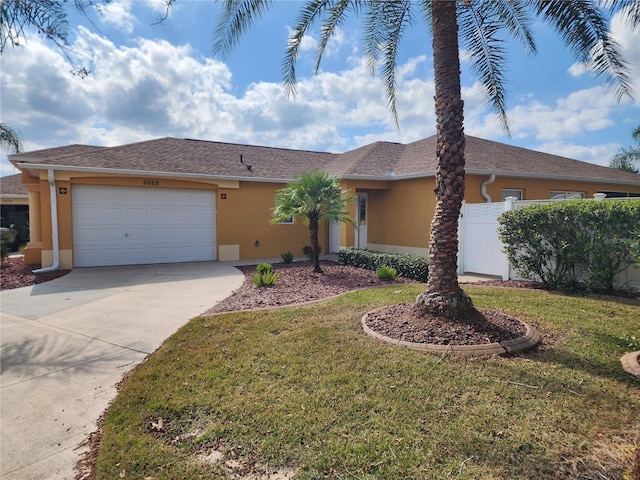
{"x": 12, "y": 186}
{"x": 379, "y": 160}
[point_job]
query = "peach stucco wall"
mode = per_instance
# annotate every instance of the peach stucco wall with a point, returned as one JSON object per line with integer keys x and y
{"x": 534, "y": 189}
{"x": 243, "y": 215}
{"x": 400, "y": 212}
{"x": 244, "y": 219}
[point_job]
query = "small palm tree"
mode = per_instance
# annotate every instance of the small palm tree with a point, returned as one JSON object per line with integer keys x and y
{"x": 313, "y": 196}
{"x": 628, "y": 159}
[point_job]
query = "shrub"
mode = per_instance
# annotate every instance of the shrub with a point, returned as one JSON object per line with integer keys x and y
{"x": 386, "y": 272}
{"x": 264, "y": 268}
{"x": 415, "y": 267}
{"x": 287, "y": 257}
{"x": 308, "y": 251}
{"x": 265, "y": 279}
{"x": 573, "y": 245}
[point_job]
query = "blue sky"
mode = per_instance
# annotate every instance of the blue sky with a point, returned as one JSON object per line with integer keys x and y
{"x": 149, "y": 81}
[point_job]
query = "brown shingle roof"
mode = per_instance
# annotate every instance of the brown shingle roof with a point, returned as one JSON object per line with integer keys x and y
{"x": 196, "y": 157}
{"x": 11, "y": 185}
{"x": 377, "y": 160}
{"x": 487, "y": 156}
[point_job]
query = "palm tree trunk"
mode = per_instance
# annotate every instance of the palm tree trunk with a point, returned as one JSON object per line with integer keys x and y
{"x": 315, "y": 245}
{"x": 443, "y": 296}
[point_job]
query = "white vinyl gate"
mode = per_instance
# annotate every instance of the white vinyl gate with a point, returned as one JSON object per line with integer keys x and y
{"x": 480, "y": 248}
{"x": 479, "y": 245}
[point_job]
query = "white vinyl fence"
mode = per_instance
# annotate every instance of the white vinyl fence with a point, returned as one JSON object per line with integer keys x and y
{"x": 480, "y": 248}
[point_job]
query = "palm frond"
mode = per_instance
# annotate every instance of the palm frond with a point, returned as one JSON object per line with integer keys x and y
{"x": 309, "y": 13}
{"x": 627, "y": 159}
{"x": 385, "y": 25}
{"x": 630, "y": 9}
{"x": 46, "y": 16}
{"x": 395, "y": 28}
{"x": 585, "y": 30}
{"x": 513, "y": 16}
{"x": 479, "y": 32}
{"x": 312, "y": 196}
{"x": 236, "y": 18}
{"x": 10, "y": 138}
{"x": 336, "y": 17}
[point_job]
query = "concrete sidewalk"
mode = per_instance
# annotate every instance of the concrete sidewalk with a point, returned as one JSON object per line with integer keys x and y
{"x": 66, "y": 343}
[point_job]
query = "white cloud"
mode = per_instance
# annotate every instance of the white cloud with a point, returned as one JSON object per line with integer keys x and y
{"x": 578, "y": 69}
{"x": 598, "y": 154}
{"x": 152, "y": 88}
{"x": 581, "y": 111}
{"x": 117, "y": 13}
{"x": 629, "y": 41}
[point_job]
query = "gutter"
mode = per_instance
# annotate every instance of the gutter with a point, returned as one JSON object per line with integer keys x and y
{"x": 54, "y": 225}
{"x": 483, "y": 188}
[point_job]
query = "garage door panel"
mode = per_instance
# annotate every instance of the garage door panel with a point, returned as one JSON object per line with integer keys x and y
{"x": 134, "y": 215}
{"x": 129, "y": 225}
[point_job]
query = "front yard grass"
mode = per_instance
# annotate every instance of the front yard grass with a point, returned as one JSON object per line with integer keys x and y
{"x": 304, "y": 388}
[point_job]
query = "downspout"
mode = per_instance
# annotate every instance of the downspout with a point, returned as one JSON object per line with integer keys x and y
{"x": 483, "y": 188}
{"x": 54, "y": 225}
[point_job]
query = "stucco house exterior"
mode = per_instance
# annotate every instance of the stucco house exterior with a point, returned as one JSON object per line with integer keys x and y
{"x": 174, "y": 200}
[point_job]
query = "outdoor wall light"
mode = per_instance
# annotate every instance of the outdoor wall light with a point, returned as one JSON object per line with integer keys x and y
{"x": 257, "y": 244}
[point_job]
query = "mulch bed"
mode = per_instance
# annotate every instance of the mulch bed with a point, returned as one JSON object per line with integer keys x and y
{"x": 298, "y": 284}
{"x": 404, "y": 322}
{"x": 15, "y": 274}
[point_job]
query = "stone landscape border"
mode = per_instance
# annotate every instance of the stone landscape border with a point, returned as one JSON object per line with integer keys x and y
{"x": 529, "y": 340}
{"x": 631, "y": 364}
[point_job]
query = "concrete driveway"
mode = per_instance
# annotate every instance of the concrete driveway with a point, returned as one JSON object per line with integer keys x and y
{"x": 66, "y": 343}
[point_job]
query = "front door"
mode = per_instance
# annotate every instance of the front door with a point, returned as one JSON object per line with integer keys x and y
{"x": 362, "y": 213}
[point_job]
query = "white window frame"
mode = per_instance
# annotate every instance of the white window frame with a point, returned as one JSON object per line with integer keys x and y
{"x": 509, "y": 192}
{"x": 565, "y": 195}
{"x": 287, "y": 221}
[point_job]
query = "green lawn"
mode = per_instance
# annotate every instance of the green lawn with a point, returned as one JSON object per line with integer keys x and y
{"x": 304, "y": 388}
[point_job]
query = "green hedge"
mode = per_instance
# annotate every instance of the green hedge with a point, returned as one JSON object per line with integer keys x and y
{"x": 573, "y": 245}
{"x": 409, "y": 266}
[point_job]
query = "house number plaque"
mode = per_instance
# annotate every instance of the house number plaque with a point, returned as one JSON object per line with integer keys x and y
{"x": 150, "y": 183}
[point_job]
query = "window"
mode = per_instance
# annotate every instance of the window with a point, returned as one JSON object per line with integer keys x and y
{"x": 611, "y": 194}
{"x": 512, "y": 192}
{"x": 560, "y": 195}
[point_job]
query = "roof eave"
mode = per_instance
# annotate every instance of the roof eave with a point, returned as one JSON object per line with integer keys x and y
{"x": 150, "y": 173}
{"x": 387, "y": 177}
{"x": 543, "y": 176}
{"x": 11, "y": 195}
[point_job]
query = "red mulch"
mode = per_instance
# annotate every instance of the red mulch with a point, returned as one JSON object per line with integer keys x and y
{"x": 298, "y": 283}
{"x": 15, "y": 274}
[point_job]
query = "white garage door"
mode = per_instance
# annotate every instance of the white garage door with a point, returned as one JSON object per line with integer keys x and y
{"x": 129, "y": 225}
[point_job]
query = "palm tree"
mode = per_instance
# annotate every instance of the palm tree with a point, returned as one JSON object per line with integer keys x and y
{"x": 10, "y": 138}
{"x": 628, "y": 159}
{"x": 313, "y": 196}
{"x": 484, "y": 25}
